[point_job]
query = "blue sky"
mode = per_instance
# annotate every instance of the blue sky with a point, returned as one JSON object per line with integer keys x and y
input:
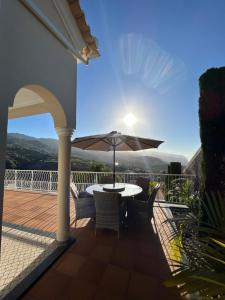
{"x": 152, "y": 54}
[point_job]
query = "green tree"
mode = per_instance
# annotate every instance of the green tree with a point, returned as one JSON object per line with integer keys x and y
{"x": 99, "y": 167}
{"x": 212, "y": 129}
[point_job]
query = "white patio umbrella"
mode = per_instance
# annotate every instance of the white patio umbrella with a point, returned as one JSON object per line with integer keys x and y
{"x": 114, "y": 141}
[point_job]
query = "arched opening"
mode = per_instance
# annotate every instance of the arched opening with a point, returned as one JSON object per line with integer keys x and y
{"x": 36, "y": 99}
{"x": 33, "y": 216}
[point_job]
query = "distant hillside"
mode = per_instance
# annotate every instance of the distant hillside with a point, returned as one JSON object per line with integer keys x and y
{"x": 27, "y": 152}
{"x": 47, "y": 146}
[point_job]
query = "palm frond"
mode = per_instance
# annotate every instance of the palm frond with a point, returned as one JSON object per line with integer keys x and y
{"x": 213, "y": 278}
{"x": 222, "y": 244}
{"x": 206, "y": 275}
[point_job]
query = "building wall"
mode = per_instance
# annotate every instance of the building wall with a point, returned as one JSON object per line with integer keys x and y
{"x": 31, "y": 55}
{"x": 34, "y": 56}
{"x": 50, "y": 8}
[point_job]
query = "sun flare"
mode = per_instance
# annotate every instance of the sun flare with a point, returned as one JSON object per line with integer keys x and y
{"x": 130, "y": 120}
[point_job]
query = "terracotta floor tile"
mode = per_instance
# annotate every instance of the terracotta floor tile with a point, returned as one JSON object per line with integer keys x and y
{"x": 92, "y": 271}
{"x": 162, "y": 267}
{"x": 70, "y": 264}
{"x": 107, "y": 237}
{"x": 146, "y": 249}
{"x": 28, "y": 296}
{"x": 141, "y": 287}
{"x": 83, "y": 246}
{"x": 102, "y": 253}
{"x": 80, "y": 290}
{"x": 141, "y": 236}
{"x": 115, "y": 280}
{"x": 123, "y": 256}
{"x": 162, "y": 293}
{"x": 146, "y": 265}
{"x": 107, "y": 295}
{"x": 52, "y": 285}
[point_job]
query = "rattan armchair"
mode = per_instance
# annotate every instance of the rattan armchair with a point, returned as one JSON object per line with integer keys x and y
{"x": 108, "y": 212}
{"x": 143, "y": 182}
{"x": 84, "y": 204}
{"x": 141, "y": 212}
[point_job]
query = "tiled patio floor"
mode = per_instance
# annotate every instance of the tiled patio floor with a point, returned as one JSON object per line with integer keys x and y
{"x": 101, "y": 267}
{"x": 30, "y": 209}
{"x": 104, "y": 267}
{"x": 28, "y": 235}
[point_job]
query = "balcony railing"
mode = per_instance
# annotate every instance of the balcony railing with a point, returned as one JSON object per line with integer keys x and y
{"x": 173, "y": 187}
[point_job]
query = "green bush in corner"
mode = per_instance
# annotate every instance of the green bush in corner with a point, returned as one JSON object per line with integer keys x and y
{"x": 202, "y": 275}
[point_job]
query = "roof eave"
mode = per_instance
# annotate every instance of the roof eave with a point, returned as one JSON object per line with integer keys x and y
{"x": 91, "y": 49}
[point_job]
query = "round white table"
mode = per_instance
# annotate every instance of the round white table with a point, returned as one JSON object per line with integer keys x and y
{"x": 129, "y": 191}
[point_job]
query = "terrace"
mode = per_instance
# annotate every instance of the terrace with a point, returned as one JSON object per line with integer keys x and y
{"x": 93, "y": 267}
{"x": 43, "y": 256}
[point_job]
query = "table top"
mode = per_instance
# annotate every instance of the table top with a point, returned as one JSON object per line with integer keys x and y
{"x": 130, "y": 189}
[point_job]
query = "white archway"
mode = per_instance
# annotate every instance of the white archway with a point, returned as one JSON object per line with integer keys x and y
{"x": 36, "y": 99}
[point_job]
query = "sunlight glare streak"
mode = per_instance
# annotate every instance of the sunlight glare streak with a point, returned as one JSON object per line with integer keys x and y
{"x": 145, "y": 59}
{"x": 132, "y": 51}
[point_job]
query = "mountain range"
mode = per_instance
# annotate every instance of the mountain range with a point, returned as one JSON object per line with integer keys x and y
{"x": 28, "y": 152}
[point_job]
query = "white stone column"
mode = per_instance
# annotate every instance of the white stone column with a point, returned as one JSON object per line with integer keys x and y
{"x": 63, "y": 200}
{"x": 3, "y": 142}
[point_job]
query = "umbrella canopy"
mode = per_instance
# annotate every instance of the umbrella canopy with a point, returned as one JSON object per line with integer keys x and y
{"x": 114, "y": 141}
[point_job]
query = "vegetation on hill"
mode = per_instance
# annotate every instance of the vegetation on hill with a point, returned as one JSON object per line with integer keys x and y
{"x": 19, "y": 157}
{"x": 25, "y": 152}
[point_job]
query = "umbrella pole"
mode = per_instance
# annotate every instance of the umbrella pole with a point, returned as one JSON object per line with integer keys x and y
{"x": 114, "y": 165}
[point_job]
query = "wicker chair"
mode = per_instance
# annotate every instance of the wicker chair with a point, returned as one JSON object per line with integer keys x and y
{"x": 108, "y": 212}
{"x": 105, "y": 179}
{"x": 84, "y": 204}
{"x": 143, "y": 182}
{"x": 151, "y": 201}
{"x": 141, "y": 212}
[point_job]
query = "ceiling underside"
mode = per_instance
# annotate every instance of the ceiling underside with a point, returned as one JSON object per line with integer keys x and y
{"x": 27, "y": 103}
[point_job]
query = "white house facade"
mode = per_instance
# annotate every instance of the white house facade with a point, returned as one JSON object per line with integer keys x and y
{"x": 41, "y": 43}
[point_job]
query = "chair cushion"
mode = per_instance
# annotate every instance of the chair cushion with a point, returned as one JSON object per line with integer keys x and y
{"x": 84, "y": 208}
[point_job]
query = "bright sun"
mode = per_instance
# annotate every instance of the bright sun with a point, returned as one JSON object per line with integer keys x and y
{"x": 130, "y": 120}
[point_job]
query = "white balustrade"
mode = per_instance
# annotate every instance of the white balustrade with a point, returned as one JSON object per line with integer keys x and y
{"x": 46, "y": 181}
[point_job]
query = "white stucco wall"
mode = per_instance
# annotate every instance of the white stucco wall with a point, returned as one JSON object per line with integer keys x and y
{"x": 31, "y": 55}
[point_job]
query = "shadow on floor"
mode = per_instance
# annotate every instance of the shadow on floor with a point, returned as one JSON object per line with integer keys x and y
{"x": 104, "y": 267}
